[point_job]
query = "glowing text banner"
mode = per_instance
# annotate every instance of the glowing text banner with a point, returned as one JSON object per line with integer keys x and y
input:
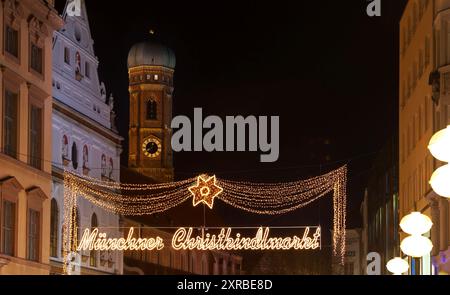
{"x": 184, "y": 239}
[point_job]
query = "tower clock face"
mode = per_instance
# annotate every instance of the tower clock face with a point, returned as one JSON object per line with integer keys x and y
{"x": 151, "y": 147}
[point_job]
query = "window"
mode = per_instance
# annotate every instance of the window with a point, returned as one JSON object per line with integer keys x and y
{"x": 67, "y": 55}
{"x": 54, "y": 218}
{"x": 87, "y": 70}
{"x": 12, "y": 41}
{"x": 156, "y": 77}
{"x": 35, "y": 145}
{"x": 74, "y": 156}
{"x": 10, "y": 124}
{"x": 151, "y": 110}
{"x": 36, "y": 58}
{"x": 93, "y": 254}
{"x": 33, "y": 234}
{"x": 8, "y": 228}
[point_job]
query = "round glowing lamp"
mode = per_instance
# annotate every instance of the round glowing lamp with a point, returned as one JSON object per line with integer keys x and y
{"x": 440, "y": 181}
{"x": 397, "y": 266}
{"x": 416, "y": 246}
{"x": 439, "y": 145}
{"x": 416, "y": 223}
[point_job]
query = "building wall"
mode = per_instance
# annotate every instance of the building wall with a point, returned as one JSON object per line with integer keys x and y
{"x": 28, "y": 187}
{"x": 380, "y": 209}
{"x": 84, "y": 141}
{"x": 423, "y": 105}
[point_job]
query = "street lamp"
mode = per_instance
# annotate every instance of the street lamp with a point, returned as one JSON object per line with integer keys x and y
{"x": 416, "y": 246}
{"x": 416, "y": 223}
{"x": 439, "y": 147}
{"x": 397, "y": 266}
{"x": 440, "y": 181}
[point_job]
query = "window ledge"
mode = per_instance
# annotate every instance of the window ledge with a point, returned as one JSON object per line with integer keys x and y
{"x": 25, "y": 262}
{"x": 26, "y": 166}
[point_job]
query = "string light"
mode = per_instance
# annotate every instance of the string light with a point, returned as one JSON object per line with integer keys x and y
{"x": 182, "y": 240}
{"x": 205, "y": 191}
{"x": 259, "y": 198}
{"x": 93, "y": 240}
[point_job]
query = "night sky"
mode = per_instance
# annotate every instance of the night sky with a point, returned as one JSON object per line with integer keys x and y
{"x": 326, "y": 68}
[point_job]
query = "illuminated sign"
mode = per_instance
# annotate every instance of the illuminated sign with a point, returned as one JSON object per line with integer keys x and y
{"x": 183, "y": 239}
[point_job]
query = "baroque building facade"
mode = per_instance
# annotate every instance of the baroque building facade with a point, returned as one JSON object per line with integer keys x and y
{"x": 85, "y": 141}
{"x": 26, "y": 32}
{"x": 424, "y": 99}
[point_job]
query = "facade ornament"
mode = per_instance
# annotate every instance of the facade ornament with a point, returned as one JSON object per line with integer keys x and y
{"x": 103, "y": 91}
{"x": 435, "y": 82}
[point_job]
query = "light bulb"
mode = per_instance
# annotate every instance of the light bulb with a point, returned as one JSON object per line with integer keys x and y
{"x": 439, "y": 145}
{"x": 416, "y": 246}
{"x": 440, "y": 181}
{"x": 397, "y": 266}
{"x": 416, "y": 223}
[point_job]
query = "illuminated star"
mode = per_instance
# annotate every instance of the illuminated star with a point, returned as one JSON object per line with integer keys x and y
{"x": 205, "y": 191}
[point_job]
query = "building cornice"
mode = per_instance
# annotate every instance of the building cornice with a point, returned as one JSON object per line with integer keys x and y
{"x": 86, "y": 121}
{"x": 45, "y": 11}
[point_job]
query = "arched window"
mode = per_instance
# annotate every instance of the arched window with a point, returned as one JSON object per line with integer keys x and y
{"x": 85, "y": 157}
{"x": 93, "y": 254}
{"x": 103, "y": 165}
{"x": 54, "y": 219}
{"x": 74, "y": 156}
{"x": 151, "y": 110}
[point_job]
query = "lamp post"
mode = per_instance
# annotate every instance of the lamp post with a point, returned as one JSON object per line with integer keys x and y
{"x": 416, "y": 245}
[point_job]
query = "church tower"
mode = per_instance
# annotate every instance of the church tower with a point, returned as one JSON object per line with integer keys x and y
{"x": 150, "y": 68}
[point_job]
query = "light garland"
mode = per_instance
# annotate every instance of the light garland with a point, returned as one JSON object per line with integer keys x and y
{"x": 258, "y": 198}
{"x": 183, "y": 239}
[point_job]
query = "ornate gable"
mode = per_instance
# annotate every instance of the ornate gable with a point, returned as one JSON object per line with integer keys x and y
{"x": 38, "y": 30}
{"x": 11, "y": 183}
{"x": 13, "y": 13}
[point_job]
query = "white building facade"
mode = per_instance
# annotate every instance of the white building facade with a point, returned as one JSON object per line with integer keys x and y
{"x": 84, "y": 141}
